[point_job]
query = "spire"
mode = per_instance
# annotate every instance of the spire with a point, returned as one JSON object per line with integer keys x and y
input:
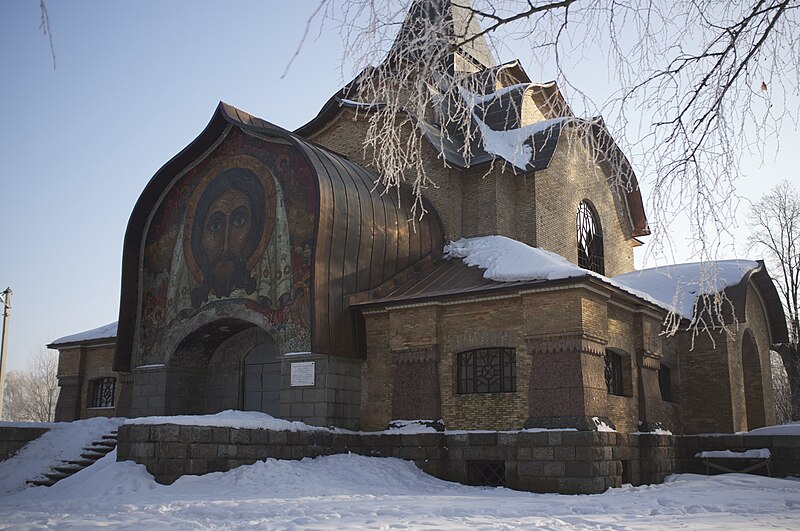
{"x": 443, "y": 25}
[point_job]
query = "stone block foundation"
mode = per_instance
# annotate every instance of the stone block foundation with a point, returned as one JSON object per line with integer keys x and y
{"x": 12, "y": 439}
{"x": 569, "y": 462}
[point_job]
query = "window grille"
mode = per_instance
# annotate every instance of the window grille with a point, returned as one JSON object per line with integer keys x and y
{"x": 103, "y": 392}
{"x": 590, "y": 239}
{"x": 614, "y": 381}
{"x": 665, "y": 383}
{"x": 489, "y": 370}
{"x": 488, "y": 473}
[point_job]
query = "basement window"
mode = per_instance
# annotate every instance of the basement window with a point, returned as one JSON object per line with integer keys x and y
{"x": 487, "y": 370}
{"x": 103, "y": 392}
{"x": 486, "y": 473}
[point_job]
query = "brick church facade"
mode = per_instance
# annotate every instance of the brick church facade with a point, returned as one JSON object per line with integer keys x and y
{"x": 263, "y": 271}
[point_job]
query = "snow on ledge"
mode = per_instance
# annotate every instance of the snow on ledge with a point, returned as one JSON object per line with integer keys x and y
{"x": 792, "y": 428}
{"x": 755, "y": 453}
{"x": 106, "y": 331}
{"x": 230, "y": 419}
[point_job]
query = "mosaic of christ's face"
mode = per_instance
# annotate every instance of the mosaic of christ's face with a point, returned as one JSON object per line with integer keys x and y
{"x": 224, "y": 238}
{"x": 228, "y": 226}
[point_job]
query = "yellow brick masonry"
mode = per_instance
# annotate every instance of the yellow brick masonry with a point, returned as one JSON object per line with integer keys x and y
{"x": 579, "y": 310}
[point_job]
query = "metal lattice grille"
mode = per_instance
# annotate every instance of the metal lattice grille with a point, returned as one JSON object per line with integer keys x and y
{"x": 103, "y": 392}
{"x": 488, "y": 473}
{"x": 614, "y": 373}
{"x": 490, "y": 370}
{"x": 590, "y": 240}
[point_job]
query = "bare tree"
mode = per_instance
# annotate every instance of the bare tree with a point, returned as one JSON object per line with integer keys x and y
{"x": 698, "y": 84}
{"x": 31, "y": 394}
{"x": 775, "y": 233}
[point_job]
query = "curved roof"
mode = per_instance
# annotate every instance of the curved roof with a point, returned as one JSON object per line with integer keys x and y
{"x": 362, "y": 237}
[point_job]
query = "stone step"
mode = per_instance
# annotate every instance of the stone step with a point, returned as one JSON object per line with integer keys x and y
{"x": 98, "y": 449}
{"x": 94, "y": 456}
{"x": 67, "y": 468}
{"x": 42, "y": 482}
{"x": 83, "y": 463}
{"x": 57, "y": 476}
{"x": 90, "y": 455}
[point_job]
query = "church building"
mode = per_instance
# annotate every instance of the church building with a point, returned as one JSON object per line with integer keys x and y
{"x": 262, "y": 270}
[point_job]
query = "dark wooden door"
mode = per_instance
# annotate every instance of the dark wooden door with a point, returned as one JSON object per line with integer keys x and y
{"x": 262, "y": 380}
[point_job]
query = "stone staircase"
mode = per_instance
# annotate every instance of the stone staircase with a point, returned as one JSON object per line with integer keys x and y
{"x": 91, "y": 454}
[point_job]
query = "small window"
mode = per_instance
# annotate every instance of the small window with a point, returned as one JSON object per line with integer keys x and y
{"x": 665, "y": 383}
{"x": 614, "y": 374}
{"x": 590, "y": 239}
{"x": 489, "y": 370}
{"x": 487, "y": 473}
{"x": 103, "y": 392}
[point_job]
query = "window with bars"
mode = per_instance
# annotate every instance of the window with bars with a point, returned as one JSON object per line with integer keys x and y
{"x": 488, "y": 473}
{"x": 614, "y": 374}
{"x": 590, "y": 239}
{"x": 488, "y": 370}
{"x": 103, "y": 392}
{"x": 665, "y": 383}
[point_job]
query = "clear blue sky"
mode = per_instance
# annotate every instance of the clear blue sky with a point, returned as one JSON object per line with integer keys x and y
{"x": 135, "y": 82}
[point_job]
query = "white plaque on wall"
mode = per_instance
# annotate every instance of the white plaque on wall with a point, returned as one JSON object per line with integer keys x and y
{"x": 302, "y": 373}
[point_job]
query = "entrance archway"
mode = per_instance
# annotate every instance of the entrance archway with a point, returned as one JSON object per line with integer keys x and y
{"x": 208, "y": 371}
{"x": 753, "y": 382}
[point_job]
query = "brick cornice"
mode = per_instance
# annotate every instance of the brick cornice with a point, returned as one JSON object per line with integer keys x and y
{"x": 417, "y": 355}
{"x": 575, "y": 342}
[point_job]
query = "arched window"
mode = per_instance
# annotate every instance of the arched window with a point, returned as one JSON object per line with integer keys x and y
{"x": 590, "y": 239}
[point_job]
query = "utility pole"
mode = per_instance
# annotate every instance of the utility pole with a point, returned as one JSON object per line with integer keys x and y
{"x": 6, "y": 300}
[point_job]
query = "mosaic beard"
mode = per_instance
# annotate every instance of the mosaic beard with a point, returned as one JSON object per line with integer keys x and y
{"x": 228, "y": 273}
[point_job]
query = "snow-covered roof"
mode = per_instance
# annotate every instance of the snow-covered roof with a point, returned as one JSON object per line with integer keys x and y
{"x": 508, "y": 260}
{"x": 680, "y": 285}
{"x": 103, "y": 332}
{"x": 674, "y": 287}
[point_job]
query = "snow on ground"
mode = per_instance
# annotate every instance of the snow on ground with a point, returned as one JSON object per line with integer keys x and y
{"x": 354, "y": 492}
{"x": 64, "y": 441}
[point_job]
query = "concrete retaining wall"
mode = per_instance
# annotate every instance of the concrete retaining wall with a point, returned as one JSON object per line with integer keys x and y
{"x": 12, "y": 439}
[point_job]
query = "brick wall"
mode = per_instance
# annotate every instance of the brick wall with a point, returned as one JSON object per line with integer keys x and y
{"x": 572, "y": 177}
{"x": 560, "y": 337}
{"x": 77, "y": 368}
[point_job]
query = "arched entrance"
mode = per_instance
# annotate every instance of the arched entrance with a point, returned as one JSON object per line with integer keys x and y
{"x": 262, "y": 379}
{"x": 226, "y": 364}
{"x": 753, "y": 382}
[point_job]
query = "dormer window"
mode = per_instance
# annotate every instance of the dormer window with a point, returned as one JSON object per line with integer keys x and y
{"x": 590, "y": 239}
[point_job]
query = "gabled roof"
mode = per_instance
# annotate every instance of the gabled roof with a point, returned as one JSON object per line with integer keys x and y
{"x": 95, "y": 335}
